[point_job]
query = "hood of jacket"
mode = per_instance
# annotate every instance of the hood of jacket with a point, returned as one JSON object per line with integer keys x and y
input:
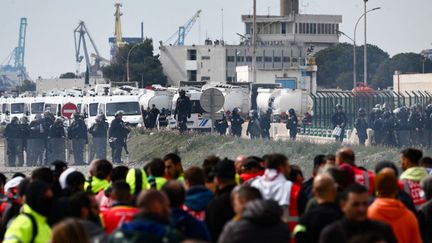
{"x": 262, "y": 212}
{"x": 198, "y": 197}
{"x": 273, "y": 185}
{"x": 414, "y": 173}
{"x": 388, "y": 208}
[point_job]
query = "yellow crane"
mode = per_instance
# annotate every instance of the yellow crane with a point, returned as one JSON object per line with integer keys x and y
{"x": 117, "y": 31}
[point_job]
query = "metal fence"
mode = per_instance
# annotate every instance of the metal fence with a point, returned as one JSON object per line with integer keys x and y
{"x": 324, "y": 103}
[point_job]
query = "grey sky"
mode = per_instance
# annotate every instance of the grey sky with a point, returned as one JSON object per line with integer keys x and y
{"x": 400, "y": 26}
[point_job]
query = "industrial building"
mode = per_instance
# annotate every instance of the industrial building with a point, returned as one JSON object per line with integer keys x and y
{"x": 284, "y": 45}
{"x": 412, "y": 82}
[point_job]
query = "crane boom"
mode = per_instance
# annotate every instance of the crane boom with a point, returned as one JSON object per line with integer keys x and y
{"x": 20, "y": 49}
{"x": 184, "y": 30}
{"x": 117, "y": 31}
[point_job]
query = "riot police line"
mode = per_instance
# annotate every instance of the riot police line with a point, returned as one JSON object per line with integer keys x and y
{"x": 400, "y": 127}
{"x": 46, "y": 139}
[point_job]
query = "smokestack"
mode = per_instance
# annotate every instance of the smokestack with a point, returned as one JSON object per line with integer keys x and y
{"x": 288, "y": 7}
{"x": 142, "y": 31}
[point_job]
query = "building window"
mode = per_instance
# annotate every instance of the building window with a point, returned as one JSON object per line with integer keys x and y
{"x": 286, "y": 59}
{"x": 259, "y": 59}
{"x": 229, "y": 79}
{"x": 314, "y": 29}
{"x": 205, "y": 58}
{"x": 248, "y": 59}
{"x": 277, "y": 59}
{"x": 192, "y": 75}
{"x": 283, "y": 28}
{"x": 230, "y": 58}
{"x": 333, "y": 29}
{"x": 192, "y": 55}
{"x": 240, "y": 58}
{"x": 205, "y": 78}
{"x": 268, "y": 59}
{"x": 294, "y": 59}
{"x": 249, "y": 28}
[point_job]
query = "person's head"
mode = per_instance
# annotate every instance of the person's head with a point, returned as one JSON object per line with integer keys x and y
{"x": 339, "y": 108}
{"x": 58, "y": 167}
{"x": 296, "y": 174}
{"x": 101, "y": 168}
{"x": 330, "y": 159}
{"x": 224, "y": 173}
{"x": 208, "y": 167}
{"x": 157, "y": 168}
{"x": 14, "y": 120}
{"x": 382, "y": 165}
{"x": 318, "y": 162}
{"x": 252, "y": 165}
{"x": 24, "y": 120}
{"x": 410, "y": 157}
{"x": 278, "y": 162}
{"x": 426, "y": 162}
{"x": 194, "y": 176}
{"x": 175, "y": 192}
{"x": 362, "y": 112}
{"x": 75, "y": 182}
{"x": 155, "y": 203}
{"x": 348, "y": 174}
{"x": 355, "y": 203}
{"x": 83, "y": 205}
{"x": 76, "y": 115}
{"x": 386, "y": 184}
{"x": 324, "y": 188}
{"x": 241, "y": 195}
{"x": 118, "y": 115}
{"x": 121, "y": 192}
{"x": 58, "y": 122}
{"x": 173, "y": 166}
{"x": 182, "y": 93}
{"x": 426, "y": 185}
{"x": 345, "y": 155}
{"x": 47, "y": 114}
{"x": 43, "y": 174}
{"x": 119, "y": 173}
{"x": 100, "y": 118}
{"x": 153, "y": 106}
{"x": 39, "y": 196}
{"x": 239, "y": 162}
{"x": 69, "y": 231}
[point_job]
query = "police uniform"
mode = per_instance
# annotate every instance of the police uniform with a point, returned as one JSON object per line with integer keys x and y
{"x": 13, "y": 139}
{"x": 99, "y": 132}
{"x": 77, "y": 132}
{"x": 182, "y": 111}
{"x": 56, "y": 143}
{"x": 117, "y": 138}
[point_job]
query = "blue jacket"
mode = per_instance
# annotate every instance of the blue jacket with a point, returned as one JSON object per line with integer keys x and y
{"x": 198, "y": 197}
{"x": 191, "y": 227}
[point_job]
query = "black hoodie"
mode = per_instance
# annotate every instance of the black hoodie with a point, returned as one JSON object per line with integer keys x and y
{"x": 260, "y": 222}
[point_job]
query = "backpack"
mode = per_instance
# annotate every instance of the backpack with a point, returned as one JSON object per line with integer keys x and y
{"x": 34, "y": 226}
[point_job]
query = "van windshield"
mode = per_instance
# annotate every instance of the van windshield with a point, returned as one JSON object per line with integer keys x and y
{"x": 37, "y": 108}
{"x": 128, "y": 108}
{"x": 51, "y": 108}
{"x": 93, "y": 108}
{"x": 17, "y": 108}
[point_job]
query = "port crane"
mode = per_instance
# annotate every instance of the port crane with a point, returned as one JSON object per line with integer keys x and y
{"x": 80, "y": 34}
{"x": 183, "y": 31}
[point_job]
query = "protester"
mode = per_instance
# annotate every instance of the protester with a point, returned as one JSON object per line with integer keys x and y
{"x": 260, "y": 222}
{"x": 219, "y": 211}
{"x": 156, "y": 174}
{"x": 173, "y": 167}
{"x": 425, "y": 211}
{"x": 121, "y": 210}
{"x": 240, "y": 196}
{"x": 388, "y": 209}
{"x": 326, "y": 212}
{"x": 197, "y": 195}
{"x": 355, "y": 222}
{"x": 189, "y": 226}
{"x": 251, "y": 169}
{"x": 412, "y": 174}
{"x": 100, "y": 172}
{"x": 151, "y": 224}
{"x": 208, "y": 167}
{"x": 305, "y": 193}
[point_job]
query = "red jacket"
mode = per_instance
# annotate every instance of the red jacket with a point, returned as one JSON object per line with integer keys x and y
{"x": 365, "y": 178}
{"x": 116, "y": 216}
{"x": 247, "y": 176}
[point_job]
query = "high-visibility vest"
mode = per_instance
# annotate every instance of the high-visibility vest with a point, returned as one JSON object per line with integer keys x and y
{"x": 365, "y": 178}
{"x": 414, "y": 190}
{"x": 291, "y": 215}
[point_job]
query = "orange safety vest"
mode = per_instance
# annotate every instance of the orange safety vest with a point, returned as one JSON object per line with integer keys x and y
{"x": 414, "y": 190}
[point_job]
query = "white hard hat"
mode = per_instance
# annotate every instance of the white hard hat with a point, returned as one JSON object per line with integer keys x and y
{"x": 64, "y": 175}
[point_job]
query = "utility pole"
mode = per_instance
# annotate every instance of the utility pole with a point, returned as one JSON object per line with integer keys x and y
{"x": 365, "y": 44}
{"x": 254, "y": 43}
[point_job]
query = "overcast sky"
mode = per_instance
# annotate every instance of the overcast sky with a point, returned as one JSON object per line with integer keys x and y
{"x": 400, "y": 26}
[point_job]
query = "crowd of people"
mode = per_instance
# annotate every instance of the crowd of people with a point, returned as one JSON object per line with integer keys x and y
{"x": 249, "y": 199}
{"x": 44, "y": 139}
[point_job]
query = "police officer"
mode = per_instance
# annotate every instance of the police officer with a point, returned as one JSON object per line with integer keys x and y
{"x": 236, "y": 122}
{"x": 162, "y": 118}
{"x": 25, "y": 130}
{"x": 99, "y": 131}
{"x": 35, "y": 142}
{"x": 222, "y": 124}
{"x": 12, "y": 134}
{"x": 182, "y": 111}
{"x": 254, "y": 127}
{"x": 77, "y": 132}
{"x": 339, "y": 119}
{"x": 56, "y": 141}
{"x": 47, "y": 121}
{"x": 361, "y": 126}
{"x": 416, "y": 122}
{"x": 292, "y": 123}
{"x": 117, "y": 136}
{"x": 266, "y": 124}
{"x": 155, "y": 113}
{"x": 389, "y": 126}
{"x": 378, "y": 126}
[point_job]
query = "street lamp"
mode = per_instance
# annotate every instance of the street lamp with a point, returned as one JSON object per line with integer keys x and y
{"x": 127, "y": 61}
{"x": 365, "y": 46}
{"x": 354, "y": 58}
